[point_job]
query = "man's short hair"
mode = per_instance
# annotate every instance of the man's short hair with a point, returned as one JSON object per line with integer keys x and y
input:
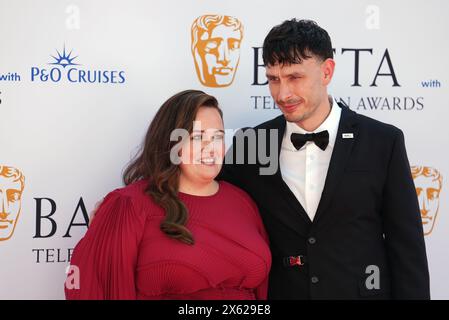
{"x": 293, "y": 41}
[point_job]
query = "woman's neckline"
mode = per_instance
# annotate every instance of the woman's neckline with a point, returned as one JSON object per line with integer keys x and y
{"x": 203, "y": 196}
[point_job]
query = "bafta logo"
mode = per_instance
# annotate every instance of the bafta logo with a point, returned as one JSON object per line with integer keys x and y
{"x": 428, "y": 183}
{"x": 216, "y": 43}
{"x": 12, "y": 183}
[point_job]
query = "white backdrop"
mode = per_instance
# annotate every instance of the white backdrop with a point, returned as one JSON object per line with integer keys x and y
{"x": 71, "y": 140}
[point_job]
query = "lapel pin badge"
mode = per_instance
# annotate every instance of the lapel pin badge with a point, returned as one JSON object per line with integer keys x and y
{"x": 348, "y": 135}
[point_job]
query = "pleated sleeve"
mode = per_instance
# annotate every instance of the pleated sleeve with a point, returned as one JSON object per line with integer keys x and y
{"x": 106, "y": 257}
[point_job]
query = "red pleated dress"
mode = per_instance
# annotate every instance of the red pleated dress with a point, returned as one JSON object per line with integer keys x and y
{"x": 125, "y": 255}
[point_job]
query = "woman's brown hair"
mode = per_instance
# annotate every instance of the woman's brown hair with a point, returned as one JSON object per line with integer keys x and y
{"x": 153, "y": 162}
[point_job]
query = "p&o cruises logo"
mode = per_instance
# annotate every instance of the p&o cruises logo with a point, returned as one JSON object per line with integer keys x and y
{"x": 65, "y": 67}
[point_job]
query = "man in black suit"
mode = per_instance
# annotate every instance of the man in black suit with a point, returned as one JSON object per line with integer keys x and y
{"x": 340, "y": 205}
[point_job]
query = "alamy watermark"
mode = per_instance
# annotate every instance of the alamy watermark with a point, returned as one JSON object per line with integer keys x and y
{"x": 250, "y": 146}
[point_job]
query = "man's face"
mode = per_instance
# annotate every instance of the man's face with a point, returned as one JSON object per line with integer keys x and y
{"x": 428, "y": 192}
{"x": 219, "y": 54}
{"x": 299, "y": 89}
{"x": 10, "y": 205}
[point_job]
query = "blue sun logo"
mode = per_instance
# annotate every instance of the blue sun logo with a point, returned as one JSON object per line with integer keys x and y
{"x": 64, "y": 59}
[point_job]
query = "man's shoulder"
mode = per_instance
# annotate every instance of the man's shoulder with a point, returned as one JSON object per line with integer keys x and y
{"x": 274, "y": 123}
{"x": 377, "y": 127}
{"x": 372, "y": 126}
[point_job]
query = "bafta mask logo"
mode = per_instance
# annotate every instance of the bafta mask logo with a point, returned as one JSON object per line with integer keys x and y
{"x": 216, "y": 43}
{"x": 428, "y": 183}
{"x": 12, "y": 183}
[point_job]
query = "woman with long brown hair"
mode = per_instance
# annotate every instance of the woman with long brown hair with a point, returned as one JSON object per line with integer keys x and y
{"x": 174, "y": 232}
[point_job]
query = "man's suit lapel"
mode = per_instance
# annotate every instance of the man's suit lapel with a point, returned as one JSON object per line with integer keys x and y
{"x": 297, "y": 217}
{"x": 339, "y": 158}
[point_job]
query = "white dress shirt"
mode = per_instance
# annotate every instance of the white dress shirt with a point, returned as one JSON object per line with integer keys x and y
{"x": 305, "y": 170}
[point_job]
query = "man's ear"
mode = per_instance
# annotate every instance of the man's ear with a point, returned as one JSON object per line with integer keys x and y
{"x": 327, "y": 68}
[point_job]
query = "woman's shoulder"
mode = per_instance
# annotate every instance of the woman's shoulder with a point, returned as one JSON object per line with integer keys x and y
{"x": 134, "y": 196}
{"x": 133, "y": 190}
{"x": 231, "y": 188}
{"x": 237, "y": 193}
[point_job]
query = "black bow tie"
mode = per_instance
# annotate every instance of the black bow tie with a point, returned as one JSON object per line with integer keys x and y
{"x": 321, "y": 139}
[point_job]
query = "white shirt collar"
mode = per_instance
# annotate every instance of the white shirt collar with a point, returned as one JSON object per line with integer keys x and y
{"x": 330, "y": 124}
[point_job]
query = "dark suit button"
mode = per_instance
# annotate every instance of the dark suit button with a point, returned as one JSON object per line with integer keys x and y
{"x": 312, "y": 240}
{"x": 314, "y": 280}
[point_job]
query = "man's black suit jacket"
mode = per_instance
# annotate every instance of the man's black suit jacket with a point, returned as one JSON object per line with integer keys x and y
{"x": 366, "y": 240}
